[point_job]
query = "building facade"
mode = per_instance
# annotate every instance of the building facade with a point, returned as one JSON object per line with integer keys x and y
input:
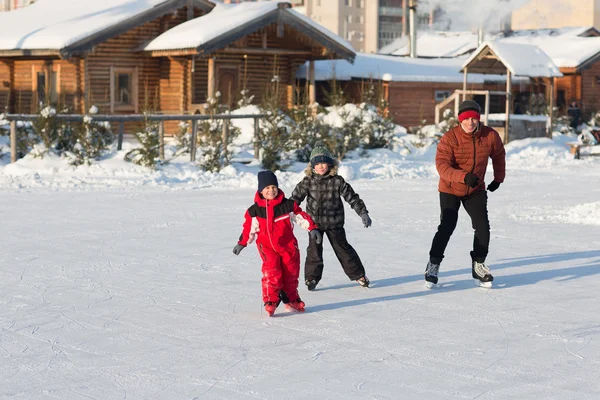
{"x": 7, "y": 5}
{"x": 540, "y": 14}
{"x": 367, "y": 24}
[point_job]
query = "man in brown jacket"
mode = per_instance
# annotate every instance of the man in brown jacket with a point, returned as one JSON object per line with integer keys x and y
{"x": 461, "y": 160}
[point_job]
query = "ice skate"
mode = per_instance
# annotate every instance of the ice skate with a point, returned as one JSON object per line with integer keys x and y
{"x": 482, "y": 275}
{"x": 431, "y": 275}
{"x": 363, "y": 281}
{"x": 296, "y": 305}
{"x": 270, "y": 307}
{"x": 311, "y": 284}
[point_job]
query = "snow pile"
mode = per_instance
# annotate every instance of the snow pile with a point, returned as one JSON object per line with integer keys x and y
{"x": 538, "y": 153}
{"x": 409, "y": 157}
{"x": 582, "y": 214}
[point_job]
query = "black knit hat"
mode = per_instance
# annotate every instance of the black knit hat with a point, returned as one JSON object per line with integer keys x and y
{"x": 321, "y": 154}
{"x": 468, "y": 105}
{"x": 266, "y": 178}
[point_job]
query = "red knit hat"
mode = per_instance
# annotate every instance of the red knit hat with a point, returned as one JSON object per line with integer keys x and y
{"x": 469, "y": 114}
{"x": 469, "y": 109}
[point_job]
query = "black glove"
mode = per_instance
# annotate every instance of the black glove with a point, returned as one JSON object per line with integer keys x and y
{"x": 471, "y": 180}
{"x": 493, "y": 186}
{"x": 316, "y": 235}
{"x": 238, "y": 249}
{"x": 366, "y": 220}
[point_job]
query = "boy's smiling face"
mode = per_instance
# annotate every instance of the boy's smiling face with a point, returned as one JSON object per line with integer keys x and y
{"x": 321, "y": 168}
{"x": 270, "y": 192}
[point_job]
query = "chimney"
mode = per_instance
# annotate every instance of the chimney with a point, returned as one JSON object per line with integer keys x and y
{"x": 404, "y": 17}
{"x": 412, "y": 22}
{"x": 480, "y": 35}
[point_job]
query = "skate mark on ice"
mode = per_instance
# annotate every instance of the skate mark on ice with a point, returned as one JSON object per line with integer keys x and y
{"x": 219, "y": 378}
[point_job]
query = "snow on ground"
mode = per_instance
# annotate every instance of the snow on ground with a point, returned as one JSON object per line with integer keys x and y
{"x": 116, "y": 282}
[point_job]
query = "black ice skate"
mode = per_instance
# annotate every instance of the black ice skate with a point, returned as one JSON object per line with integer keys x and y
{"x": 431, "y": 275}
{"x": 311, "y": 284}
{"x": 482, "y": 275}
{"x": 363, "y": 281}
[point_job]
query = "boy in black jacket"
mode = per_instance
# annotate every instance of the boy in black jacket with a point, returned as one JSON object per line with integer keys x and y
{"x": 324, "y": 189}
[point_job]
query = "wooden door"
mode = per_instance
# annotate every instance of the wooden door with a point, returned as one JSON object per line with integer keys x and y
{"x": 228, "y": 83}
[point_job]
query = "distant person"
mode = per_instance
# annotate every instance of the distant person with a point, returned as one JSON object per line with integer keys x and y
{"x": 269, "y": 221}
{"x": 461, "y": 160}
{"x": 324, "y": 190}
{"x": 574, "y": 113}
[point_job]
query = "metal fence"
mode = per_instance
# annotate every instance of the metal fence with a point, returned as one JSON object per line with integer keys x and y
{"x": 122, "y": 119}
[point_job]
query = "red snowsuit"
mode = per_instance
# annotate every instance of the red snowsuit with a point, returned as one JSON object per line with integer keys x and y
{"x": 270, "y": 222}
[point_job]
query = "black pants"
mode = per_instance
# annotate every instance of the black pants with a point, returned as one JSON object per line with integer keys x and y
{"x": 313, "y": 268}
{"x": 476, "y": 207}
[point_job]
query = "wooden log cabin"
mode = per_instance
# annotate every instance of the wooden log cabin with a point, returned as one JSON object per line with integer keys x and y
{"x": 80, "y": 54}
{"x": 114, "y": 54}
{"x": 412, "y": 86}
{"x": 254, "y": 44}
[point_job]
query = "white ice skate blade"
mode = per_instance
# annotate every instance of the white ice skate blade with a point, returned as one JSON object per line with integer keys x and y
{"x": 430, "y": 285}
{"x": 485, "y": 285}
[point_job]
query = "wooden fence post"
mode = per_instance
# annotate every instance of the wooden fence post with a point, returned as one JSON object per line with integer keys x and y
{"x": 120, "y": 137}
{"x": 161, "y": 140}
{"x": 13, "y": 141}
{"x": 193, "y": 140}
{"x": 224, "y": 139}
{"x": 256, "y": 138}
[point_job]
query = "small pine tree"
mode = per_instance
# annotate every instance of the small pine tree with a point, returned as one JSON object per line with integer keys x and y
{"x": 307, "y": 128}
{"x": 92, "y": 139}
{"x": 275, "y": 129}
{"x": 377, "y": 128}
{"x": 448, "y": 121}
{"x": 46, "y": 128}
{"x": 211, "y": 142}
{"x": 148, "y": 137}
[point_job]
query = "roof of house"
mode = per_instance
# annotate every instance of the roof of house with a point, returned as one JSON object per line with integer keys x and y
{"x": 65, "y": 27}
{"x": 569, "y": 47}
{"x": 229, "y": 22}
{"x": 520, "y": 59}
{"x": 397, "y": 69}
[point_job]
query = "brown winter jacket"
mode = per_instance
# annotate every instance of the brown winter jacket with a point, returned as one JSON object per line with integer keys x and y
{"x": 459, "y": 153}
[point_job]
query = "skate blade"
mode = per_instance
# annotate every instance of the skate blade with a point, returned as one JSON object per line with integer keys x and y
{"x": 485, "y": 285}
{"x": 430, "y": 285}
{"x": 292, "y": 309}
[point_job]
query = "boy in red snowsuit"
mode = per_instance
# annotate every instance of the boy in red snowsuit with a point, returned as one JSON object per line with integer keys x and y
{"x": 270, "y": 221}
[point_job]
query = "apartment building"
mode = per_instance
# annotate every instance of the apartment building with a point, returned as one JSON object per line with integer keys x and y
{"x": 367, "y": 24}
{"x": 7, "y": 5}
{"x": 539, "y": 14}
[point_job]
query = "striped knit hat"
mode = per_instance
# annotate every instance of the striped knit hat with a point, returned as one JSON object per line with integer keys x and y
{"x": 321, "y": 154}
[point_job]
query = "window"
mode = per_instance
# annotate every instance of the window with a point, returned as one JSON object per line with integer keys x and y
{"x": 123, "y": 89}
{"x": 440, "y": 95}
{"x": 46, "y": 84}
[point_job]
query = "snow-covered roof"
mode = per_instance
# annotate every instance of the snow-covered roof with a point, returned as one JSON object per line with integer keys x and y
{"x": 565, "y": 51}
{"x": 398, "y": 69}
{"x": 434, "y": 44}
{"x": 521, "y": 59}
{"x": 58, "y": 24}
{"x": 567, "y": 47}
{"x": 226, "y": 22}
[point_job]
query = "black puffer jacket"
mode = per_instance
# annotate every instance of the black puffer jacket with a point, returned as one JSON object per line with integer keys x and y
{"x": 324, "y": 198}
